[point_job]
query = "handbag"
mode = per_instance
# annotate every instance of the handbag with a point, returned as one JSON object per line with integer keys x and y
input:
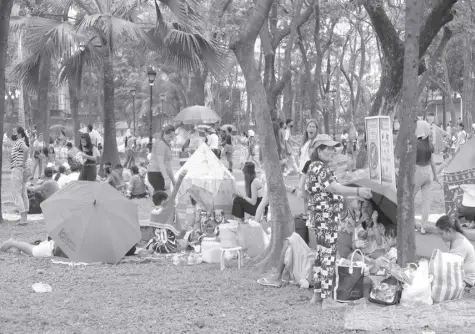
{"x": 388, "y": 292}
{"x": 349, "y": 280}
{"x": 447, "y": 269}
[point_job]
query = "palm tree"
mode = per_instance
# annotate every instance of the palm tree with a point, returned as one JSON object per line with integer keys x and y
{"x": 71, "y": 71}
{"x": 46, "y": 39}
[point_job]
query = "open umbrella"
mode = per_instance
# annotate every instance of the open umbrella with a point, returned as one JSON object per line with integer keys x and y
{"x": 197, "y": 115}
{"x": 92, "y": 222}
{"x": 384, "y": 198}
{"x": 226, "y": 126}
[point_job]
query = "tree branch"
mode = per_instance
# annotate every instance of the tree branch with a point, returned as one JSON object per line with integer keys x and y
{"x": 435, "y": 57}
{"x": 283, "y": 32}
{"x": 225, "y": 7}
{"x": 280, "y": 85}
{"x": 440, "y": 14}
{"x": 390, "y": 42}
{"x": 254, "y": 23}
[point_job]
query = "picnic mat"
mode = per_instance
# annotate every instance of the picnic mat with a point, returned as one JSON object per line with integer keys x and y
{"x": 372, "y": 317}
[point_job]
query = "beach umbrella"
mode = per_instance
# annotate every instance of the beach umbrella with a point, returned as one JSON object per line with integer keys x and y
{"x": 384, "y": 198}
{"x": 208, "y": 181}
{"x": 92, "y": 222}
{"x": 197, "y": 115}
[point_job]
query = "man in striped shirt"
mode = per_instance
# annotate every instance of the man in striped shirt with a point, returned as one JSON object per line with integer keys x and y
{"x": 19, "y": 175}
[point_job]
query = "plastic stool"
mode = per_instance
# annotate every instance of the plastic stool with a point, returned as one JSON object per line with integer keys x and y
{"x": 234, "y": 249}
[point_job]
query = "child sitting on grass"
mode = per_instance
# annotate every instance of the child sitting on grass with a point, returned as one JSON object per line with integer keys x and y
{"x": 163, "y": 219}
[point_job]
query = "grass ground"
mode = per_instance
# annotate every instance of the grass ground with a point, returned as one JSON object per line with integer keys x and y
{"x": 150, "y": 298}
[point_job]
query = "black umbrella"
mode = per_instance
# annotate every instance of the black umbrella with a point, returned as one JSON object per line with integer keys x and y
{"x": 384, "y": 198}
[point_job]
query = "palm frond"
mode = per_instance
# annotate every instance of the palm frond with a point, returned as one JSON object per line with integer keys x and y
{"x": 127, "y": 9}
{"x": 103, "y": 6}
{"x": 187, "y": 48}
{"x": 27, "y": 72}
{"x": 72, "y": 68}
{"x": 186, "y": 11}
{"x": 121, "y": 27}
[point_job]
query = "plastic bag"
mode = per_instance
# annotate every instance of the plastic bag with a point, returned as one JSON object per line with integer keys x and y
{"x": 419, "y": 292}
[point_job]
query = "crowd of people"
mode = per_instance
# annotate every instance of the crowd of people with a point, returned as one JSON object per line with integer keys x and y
{"x": 330, "y": 207}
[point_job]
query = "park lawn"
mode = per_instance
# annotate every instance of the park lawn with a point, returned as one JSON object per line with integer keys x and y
{"x": 151, "y": 297}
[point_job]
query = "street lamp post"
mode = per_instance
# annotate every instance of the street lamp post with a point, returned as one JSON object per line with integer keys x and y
{"x": 162, "y": 111}
{"x": 133, "y": 92}
{"x": 151, "y": 79}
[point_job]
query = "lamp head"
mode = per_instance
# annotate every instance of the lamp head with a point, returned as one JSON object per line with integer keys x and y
{"x": 151, "y": 76}
{"x": 133, "y": 91}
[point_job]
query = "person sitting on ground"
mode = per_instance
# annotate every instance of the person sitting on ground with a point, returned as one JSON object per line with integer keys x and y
{"x": 137, "y": 188}
{"x": 451, "y": 232}
{"x": 48, "y": 187}
{"x": 60, "y": 176}
{"x": 112, "y": 177}
{"x": 295, "y": 264}
{"x": 248, "y": 203}
{"x": 47, "y": 248}
{"x": 74, "y": 175}
{"x": 119, "y": 169}
{"x": 163, "y": 217}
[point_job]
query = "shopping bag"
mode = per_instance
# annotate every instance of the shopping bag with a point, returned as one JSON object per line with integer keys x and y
{"x": 447, "y": 269}
{"x": 349, "y": 280}
{"x": 388, "y": 292}
{"x": 419, "y": 291}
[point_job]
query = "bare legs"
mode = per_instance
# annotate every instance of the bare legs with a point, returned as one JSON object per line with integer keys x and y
{"x": 20, "y": 245}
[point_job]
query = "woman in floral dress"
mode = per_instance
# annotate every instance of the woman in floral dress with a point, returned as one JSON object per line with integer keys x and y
{"x": 325, "y": 203}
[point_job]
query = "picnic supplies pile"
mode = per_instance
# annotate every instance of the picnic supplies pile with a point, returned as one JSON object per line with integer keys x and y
{"x": 418, "y": 292}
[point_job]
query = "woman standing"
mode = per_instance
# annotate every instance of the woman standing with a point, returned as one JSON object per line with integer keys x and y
{"x": 19, "y": 177}
{"x": 38, "y": 156}
{"x": 90, "y": 154}
{"x": 254, "y": 193}
{"x": 161, "y": 160}
{"x": 310, "y": 133}
{"x": 425, "y": 169}
{"x": 352, "y": 147}
{"x": 325, "y": 204}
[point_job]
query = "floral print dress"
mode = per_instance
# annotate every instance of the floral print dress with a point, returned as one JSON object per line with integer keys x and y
{"x": 324, "y": 216}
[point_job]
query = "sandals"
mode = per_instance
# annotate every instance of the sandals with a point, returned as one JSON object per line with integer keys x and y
{"x": 265, "y": 282}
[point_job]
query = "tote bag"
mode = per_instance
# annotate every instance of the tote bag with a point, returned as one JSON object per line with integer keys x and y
{"x": 448, "y": 273}
{"x": 349, "y": 280}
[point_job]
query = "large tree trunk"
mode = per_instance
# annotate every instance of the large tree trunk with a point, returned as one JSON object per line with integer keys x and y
{"x": 74, "y": 105}
{"x": 243, "y": 48}
{"x": 111, "y": 153}
{"x": 392, "y": 60}
{"x": 5, "y": 11}
{"x": 407, "y": 138}
{"x": 43, "y": 89}
{"x": 448, "y": 88}
{"x": 467, "y": 83}
{"x": 196, "y": 89}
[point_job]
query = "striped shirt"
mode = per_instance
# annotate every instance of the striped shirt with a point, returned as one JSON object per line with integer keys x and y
{"x": 18, "y": 150}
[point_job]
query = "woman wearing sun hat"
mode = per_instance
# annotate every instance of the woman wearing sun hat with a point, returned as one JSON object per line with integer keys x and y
{"x": 325, "y": 203}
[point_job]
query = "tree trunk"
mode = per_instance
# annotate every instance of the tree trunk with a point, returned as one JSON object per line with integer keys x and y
{"x": 111, "y": 153}
{"x": 5, "y": 11}
{"x": 392, "y": 59}
{"x": 74, "y": 105}
{"x": 43, "y": 89}
{"x": 453, "y": 116}
{"x": 196, "y": 92}
{"x": 467, "y": 84}
{"x": 243, "y": 48}
{"x": 407, "y": 138}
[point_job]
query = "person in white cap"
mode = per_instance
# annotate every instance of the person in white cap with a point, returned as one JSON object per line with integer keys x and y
{"x": 325, "y": 203}
{"x": 425, "y": 169}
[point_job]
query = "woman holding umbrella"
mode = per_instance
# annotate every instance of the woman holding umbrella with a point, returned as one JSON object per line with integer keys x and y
{"x": 161, "y": 159}
{"x": 325, "y": 203}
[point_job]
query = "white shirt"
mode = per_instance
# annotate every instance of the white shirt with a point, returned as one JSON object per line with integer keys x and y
{"x": 213, "y": 141}
{"x": 287, "y": 134}
{"x": 63, "y": 180}
{"x": 74, "y": 176}
{"x": 344, "y": 136}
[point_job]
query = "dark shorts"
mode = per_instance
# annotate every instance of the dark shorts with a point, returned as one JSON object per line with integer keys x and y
{"x": 156, "y": 180}
{"x": 467, "y": 212}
